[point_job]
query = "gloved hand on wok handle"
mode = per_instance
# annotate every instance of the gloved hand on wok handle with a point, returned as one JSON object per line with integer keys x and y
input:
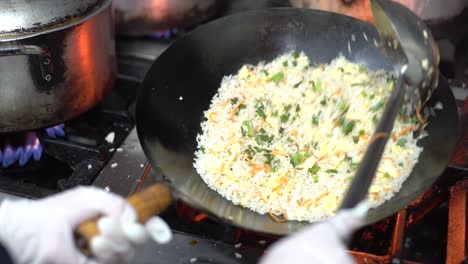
{"x": 41, "y": 231}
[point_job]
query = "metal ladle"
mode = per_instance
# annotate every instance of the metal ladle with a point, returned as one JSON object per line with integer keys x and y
{"x": 408, "y": 43}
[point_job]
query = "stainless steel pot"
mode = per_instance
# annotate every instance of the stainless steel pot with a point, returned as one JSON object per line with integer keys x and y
{"x": 57, "y": 60}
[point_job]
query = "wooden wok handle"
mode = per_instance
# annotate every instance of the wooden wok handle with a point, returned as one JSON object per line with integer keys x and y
{"x": 147, "y": 203}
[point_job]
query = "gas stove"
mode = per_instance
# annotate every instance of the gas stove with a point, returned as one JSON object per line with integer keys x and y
{"x": 101, "y": 148}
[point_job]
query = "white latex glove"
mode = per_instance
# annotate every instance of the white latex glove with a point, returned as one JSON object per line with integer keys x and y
{"x": 321, "y": 243}
{"x": 42, "y": 231}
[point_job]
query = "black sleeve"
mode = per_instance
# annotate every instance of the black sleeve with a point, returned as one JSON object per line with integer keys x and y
{"x": 5, "y": 257}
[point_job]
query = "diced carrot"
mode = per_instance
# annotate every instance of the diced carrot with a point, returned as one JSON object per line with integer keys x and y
{"x": 403, "y": 132}
{"x": 294, "y": 132}
{"x": 234, "y": 110}
{"x": 277, "y": 152}
{"x": 320, "y": 197}
{"x": 364, "y": 136}
{"x": 259, "y": 167}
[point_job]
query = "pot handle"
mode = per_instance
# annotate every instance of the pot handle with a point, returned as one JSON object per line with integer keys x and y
{"x": 147, "y": 203}
{"x": 43, "y": 53}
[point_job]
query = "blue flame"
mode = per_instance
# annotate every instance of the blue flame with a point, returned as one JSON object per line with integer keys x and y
{"x": 31, "y": 149}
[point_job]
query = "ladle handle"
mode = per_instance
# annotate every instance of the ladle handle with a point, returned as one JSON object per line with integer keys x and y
{"x": 365, "y": 173}
{"x": 147, "y": 203}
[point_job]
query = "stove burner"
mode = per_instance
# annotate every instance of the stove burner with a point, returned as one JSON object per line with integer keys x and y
{"x": 30, "y": 148}
{"x": 164, "y": 34}
{"x": 56, "y": 131}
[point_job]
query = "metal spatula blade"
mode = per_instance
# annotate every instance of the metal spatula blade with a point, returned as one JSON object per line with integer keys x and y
{"x": 408, "y": 43}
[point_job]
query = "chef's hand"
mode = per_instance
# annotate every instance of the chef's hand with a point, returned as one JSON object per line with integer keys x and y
{"x": 322, "y": 243}
{"x": 42, "y": 231}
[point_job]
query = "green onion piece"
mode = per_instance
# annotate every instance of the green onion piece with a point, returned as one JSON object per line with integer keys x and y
{"x": 234, "y": 100}
{"x": 354, "y": 165}
{"x": 285, "y": 117}
{"x": 331, "y": 171}
{"x": 260, "y": 109}
{"x": 324, "y": 101}
{"x": 386, "y": 175}
{"x": 415, "y": 120}
{"x": 287, "y": 108}
{"x": 362, "y": 69}
{"x": 247, "y": 126}
{"x": 265, "y": 72}
{"x": 294, "y": 63}
{"x": 315, "y": 178}
{"x": 348, "y": 127}
{"x": 250, "y": 152}
{"x": 372, "y": 96}
{"x": 361, "y": 132}
{"x": 241, "y": 106}
{"x": 317, "y": 85}
{"x": 202, "y": 149}
{"x": 375, "y": 120}
{"x": 277, "y": 77}
{"x": 297, "y": 84}
{"x": 315, "y": 120}
{"x": 285, "y": 63}
{"x": 295, "y": 54}
{"x": 377, "y": 106}
{"x": 298, "y": 108}
{"x": 314, "y": 169}
{"x": 262, "y": 137}
{"x": 356, "y": 139}
{"x": 364, "y": 94}
{"x": 299, "y": 157}
{"x": 401, "y": 142}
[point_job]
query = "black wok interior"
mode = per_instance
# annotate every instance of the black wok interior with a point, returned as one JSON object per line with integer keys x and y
{"x": 182, "y": 81}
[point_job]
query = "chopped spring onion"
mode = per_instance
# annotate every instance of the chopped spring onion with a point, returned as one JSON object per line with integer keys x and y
{"x": 315, "y": 178}
{"x": 262, "y": 137}
{"x": 277, "y": 77}
{"x": 401, "y": 142}
{"x": 377, "y": 106}
{"x": 260, "y": 109}
{"x": 298, "y": 158}
{"x": 314, "y": 169}
{"x": 317, "y": 85}
{"x": 348, "y": 127}
{"x": 295, "y": 54}
{"x": 241, "y": 106}
{"x": 331, "y": 171}
{"x": 315, "y": 120}
{"x": 234, "y": 100}
{"x": 285, "y": 117}
{"x": 248, "y": 128}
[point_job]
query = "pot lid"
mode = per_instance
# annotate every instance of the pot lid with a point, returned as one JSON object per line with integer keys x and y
{"x": 25, "y": 18}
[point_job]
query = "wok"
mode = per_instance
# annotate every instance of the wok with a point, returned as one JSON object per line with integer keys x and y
{"x": 182, "y": 81}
